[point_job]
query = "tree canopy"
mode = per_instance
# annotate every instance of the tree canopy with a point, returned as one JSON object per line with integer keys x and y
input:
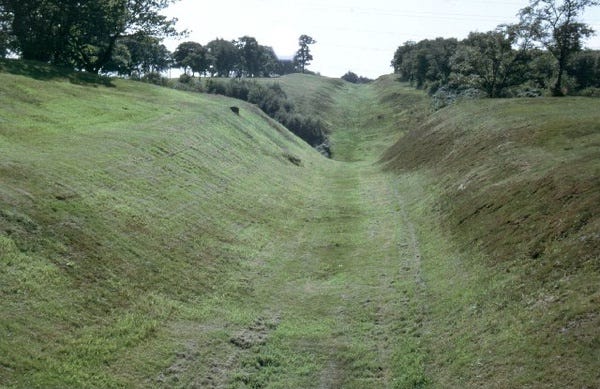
{"x": 519, "y": 59}
{"x": 555, "y": 25}
{"x": 303, "y": 55}
{"x": 244, "y": 57}
{"x": 84, "y": 33}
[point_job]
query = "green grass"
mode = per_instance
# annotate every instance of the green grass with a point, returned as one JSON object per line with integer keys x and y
{"x": 151, "y": 238}
{"x": 516, "y": 193}
{"x": 120, "y": 208}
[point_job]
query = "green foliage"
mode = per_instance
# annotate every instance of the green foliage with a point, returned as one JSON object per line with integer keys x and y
{"x": 244, "y": 57}
{"x": 272, "y": 100}
{"x": 138, "y": 54}
{"x": 505, "y": 62}
{"x": 491, "y": 61}
{"x": 225, "y": 57}
{"x": 355, "y": 78}
{"x": 424, "y": 62}
{"x": 193, "y": 56}
{"x": 303, "y": 56}
{"x": 156, "y": 79}
{"x": 82, "y": 34}
{"x": 554, "y": 24}
{"x": 584, "y": 67}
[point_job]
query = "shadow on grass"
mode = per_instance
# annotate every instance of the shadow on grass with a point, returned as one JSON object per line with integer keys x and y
{"x": 44, "y": 72}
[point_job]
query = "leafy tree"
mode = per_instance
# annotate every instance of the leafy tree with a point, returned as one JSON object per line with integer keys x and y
{"x": 427, "y": 61}
{"x": 554, "y": 24}
{"x": 268, "y": 61}
{"x": 490, "y": 61}
{"x": 585, "y": 69}
{"x": 355, "y": 78}
{"x": 250, "y": 56}
{"x": 148, "y": 54}
{"x": 439, "y": 52}
{"x": 193, "y": 56}
{"x": 120, "y": 61}
{"x": 6, "y": 38}
{"x": 402, "y": 62}
{"x": 82, "y": 33}
{"x": 225, "y": 57}
{"x": 350, "y": 77}
{"x": 285, "y": 66}
{"x": 303, "y": 55}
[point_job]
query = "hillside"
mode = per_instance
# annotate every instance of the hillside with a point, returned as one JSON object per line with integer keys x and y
{"x": 123, "y": 211}
{"x": 153, "y": 238}
{"x": 515, "y": 186}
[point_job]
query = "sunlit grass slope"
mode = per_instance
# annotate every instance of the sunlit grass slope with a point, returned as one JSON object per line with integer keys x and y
{"x": 513, "y": 189}
{"x": 123, "y": 210}
{"x": 153, "y": 238}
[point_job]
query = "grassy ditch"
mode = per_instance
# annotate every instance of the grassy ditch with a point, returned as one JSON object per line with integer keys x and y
{"x": 515, "y": 186}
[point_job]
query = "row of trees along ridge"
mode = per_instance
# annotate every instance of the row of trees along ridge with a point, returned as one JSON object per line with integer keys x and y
{"x": 125, "y": 37}
{"x": 243, "y": 57}
{"x": 543, "y": 51}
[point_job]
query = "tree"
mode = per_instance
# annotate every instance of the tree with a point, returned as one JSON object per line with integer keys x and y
{"x": 82, "y": 33}
{"x": 585, "y": 69}
{"x": 303, "y": 55}
{"x": 489, "y": 60}
{"x": 425, "y": 62}
{"x": 402, "y": 62}
{"x": 6, "y": 38}
{"x": 250, "y": 56}
{"x": 148, "y": 54}
{"x": 268, "y": 61}
{"x": 193, "y": 56}
{"x": 285, "y": 66}
{"x": 554, "y": 24}
{"x": 225, "y": 57}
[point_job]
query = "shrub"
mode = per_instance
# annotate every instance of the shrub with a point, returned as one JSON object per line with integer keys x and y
{"x": 155, "y": 78}
{"x": 216, "y": 87}
{"x": 590, "y": 92}
{"x": 186, "y": 79}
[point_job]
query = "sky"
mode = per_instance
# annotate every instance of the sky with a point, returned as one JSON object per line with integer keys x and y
{"x": 352, "y": 35}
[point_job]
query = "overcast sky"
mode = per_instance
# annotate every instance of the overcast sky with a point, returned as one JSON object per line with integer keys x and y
{"x": 355, "y": 35}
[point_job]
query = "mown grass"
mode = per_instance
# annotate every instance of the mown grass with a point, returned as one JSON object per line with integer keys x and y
{"x": 515, "y": 186}
{"x": 152, "y": 238}
{"x": 121, "y": 209}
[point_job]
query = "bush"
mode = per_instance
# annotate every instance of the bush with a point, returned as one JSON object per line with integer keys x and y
{"x": 216, "y": 87}
{"x": 446, "y": 96}
{"x": 273, "y": 101}
{"x": 186, "y": 79}
{"x": 155, "y": 78}
{"x": 239, "y": 89}
{"x": 590, "y": 92}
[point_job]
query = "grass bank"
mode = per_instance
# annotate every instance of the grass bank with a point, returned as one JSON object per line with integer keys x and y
{"x": 153, "y": 238}
{"x": 510, "y": 194}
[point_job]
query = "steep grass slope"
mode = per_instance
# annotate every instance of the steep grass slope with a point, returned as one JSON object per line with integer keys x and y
{"x": 124, "y": 209}
{"x": 364, "y": 120}
{"x": 515, "y": 186}
{"x": 152, "y": 238}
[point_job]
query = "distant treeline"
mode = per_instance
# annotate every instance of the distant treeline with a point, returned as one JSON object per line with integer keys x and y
{"x": 243, "y": 57}
{"x": 355, "y": 78}
{"x": 501, "y": 71}
{"x": 540, "y": 54}
{"x": 125, "y": 37}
